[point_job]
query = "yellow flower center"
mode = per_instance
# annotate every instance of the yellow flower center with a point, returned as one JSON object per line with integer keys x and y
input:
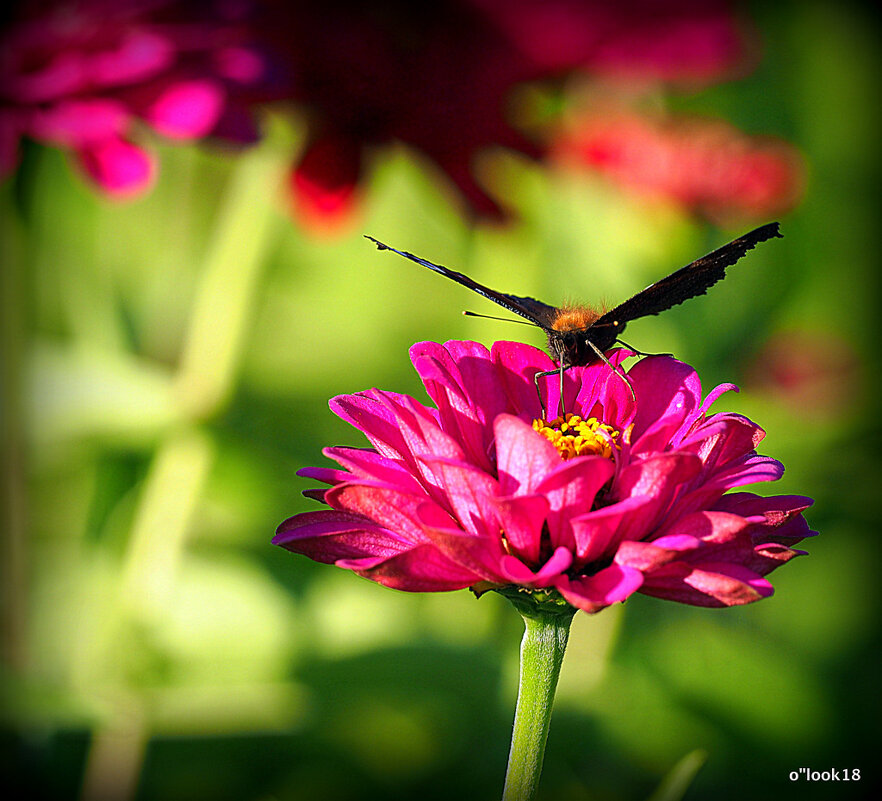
{"x": 573, "y": 436}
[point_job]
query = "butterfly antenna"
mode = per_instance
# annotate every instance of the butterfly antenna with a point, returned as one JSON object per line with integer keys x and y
{"x": 503, "y": 319}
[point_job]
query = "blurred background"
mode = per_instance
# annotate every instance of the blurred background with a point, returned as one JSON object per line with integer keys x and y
{"x": 185, "y": 285}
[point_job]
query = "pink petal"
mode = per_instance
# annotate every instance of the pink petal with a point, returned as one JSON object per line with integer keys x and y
{"x": 783, "y": 524}
{"x": 328, "y": 475}
{"x": 369, "y": 464}
{"x": 523, "y": 457}
{"x": 374, "y": 420}
{"x": 651, "y": 556}
{"x": 790, "y": 532}
{"x": 422, "y": 437}
{"x": 597, "y": 383}
{"x": 328, "y": 536}
{"x": 656, "y": 476}
{"x": 421, "y": 569}
{"x": 80, "y": 122}
{"x": 597, "y": 533}
{"x": 608, "y": 586}
{"x": 138, "y": 55}
{"x": 571, "y": 488}
{"x": 777, "y": 508}
{"x": 708, "y": 585}
{"x": 120, "y": 168}
{"x": 240, "y": 64}
{"x": 461, "y": 380}
{"x": 708, "y": 527}
{"x": 516, "y": 365}
{"x": 656, "y": 479}
{"x": 480, "y": 555}
{"x": 668, "y": 393}
{"x": 722, "y": 438}
{"x": 516, "y": 572}
{"x": 521, "y": 518}
{"x": 770, "y": 556}
{"x": 714, "y": 394}
{"x": 187, "y": 109}
{"x": 468, "y": 491}
{"x": 419, "y": 428}
{"x": 64, "y": 74}
{"x": 382, "y": 505}
{"x": 605, "y": 394}
{"x": 748, "y": 470}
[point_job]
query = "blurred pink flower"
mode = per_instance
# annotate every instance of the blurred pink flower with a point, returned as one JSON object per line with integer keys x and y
{"x": 81, "y": 75}
{"x": 687, "y": 42}
{"x": 479, "y": 492}
{"x": 812, "y": 374}
{"x": 706, "y": 166}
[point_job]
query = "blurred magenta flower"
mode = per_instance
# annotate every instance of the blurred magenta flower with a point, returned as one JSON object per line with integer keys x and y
{"x": 84, "y": 75}
{"x": 618, "y": 497}
{"x": 687, "y": 42}
{"x": 706, "y": 166}
{"x": 88, "y": 75}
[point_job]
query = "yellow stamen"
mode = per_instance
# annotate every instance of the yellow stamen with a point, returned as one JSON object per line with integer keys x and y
{"x": 573, "y": 436}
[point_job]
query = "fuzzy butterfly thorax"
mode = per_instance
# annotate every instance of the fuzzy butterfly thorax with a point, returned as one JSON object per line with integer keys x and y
{"x": 568, "y": 334}
{"x": 574, "y": 318}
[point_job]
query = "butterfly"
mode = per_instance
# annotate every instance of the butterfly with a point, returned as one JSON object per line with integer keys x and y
{"x": 578, "y": 335}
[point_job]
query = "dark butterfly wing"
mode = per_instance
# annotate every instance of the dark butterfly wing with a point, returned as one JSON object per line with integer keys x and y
{"x": 540, "y": 313}
{"x": 687, "y": 282}
{"x": 535, "y": 311}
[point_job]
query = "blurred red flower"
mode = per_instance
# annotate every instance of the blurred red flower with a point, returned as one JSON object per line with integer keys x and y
{"x": 438, "y": 77}
{"x": 706, "y": 166}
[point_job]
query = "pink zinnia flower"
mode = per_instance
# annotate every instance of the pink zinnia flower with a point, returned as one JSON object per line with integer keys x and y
{"x": 621, "y": 496}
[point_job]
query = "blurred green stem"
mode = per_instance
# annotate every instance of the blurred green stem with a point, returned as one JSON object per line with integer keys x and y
{"x": 169, "y": 498}
{"x": 225, "y": 293}
{"x": 542, "y": 652}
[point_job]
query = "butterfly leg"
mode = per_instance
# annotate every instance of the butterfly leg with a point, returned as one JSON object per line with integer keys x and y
{"x": 602, "y": 356}
{"x": 640, "y": 352}
{"x": 544, "y": 373}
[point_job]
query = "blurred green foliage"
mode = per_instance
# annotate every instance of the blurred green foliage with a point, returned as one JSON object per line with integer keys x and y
{"x": 176, "y": 356}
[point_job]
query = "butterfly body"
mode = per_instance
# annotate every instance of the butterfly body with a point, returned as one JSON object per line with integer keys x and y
{"x": 579, "y": 335}
{"x": 571, "y": 334}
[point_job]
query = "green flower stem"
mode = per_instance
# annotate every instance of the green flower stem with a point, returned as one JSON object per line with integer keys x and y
{"x": 542, "y": 653}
